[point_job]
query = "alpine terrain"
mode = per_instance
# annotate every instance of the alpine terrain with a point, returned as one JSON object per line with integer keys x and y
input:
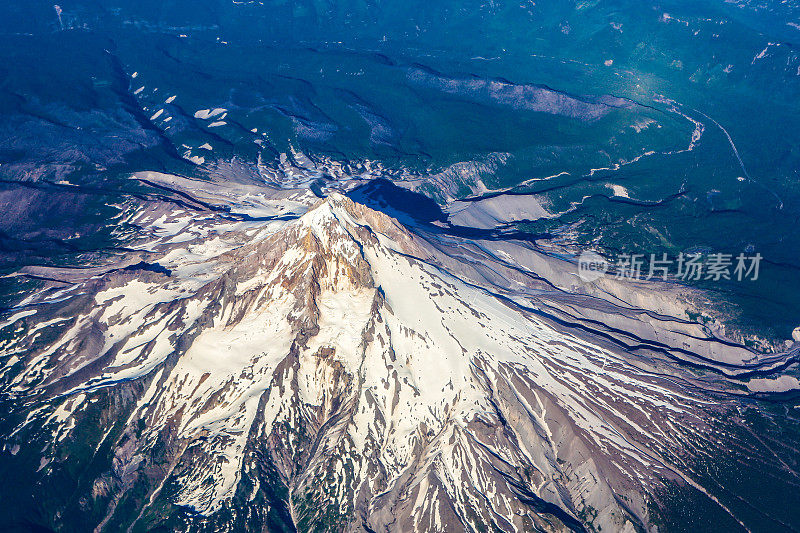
{"x": 264, "y": 358}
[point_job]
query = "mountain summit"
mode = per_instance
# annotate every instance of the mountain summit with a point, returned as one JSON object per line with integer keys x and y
{"x": 328, "y": 372}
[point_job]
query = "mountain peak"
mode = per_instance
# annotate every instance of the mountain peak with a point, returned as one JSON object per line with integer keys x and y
{"x": 332, "y": 360}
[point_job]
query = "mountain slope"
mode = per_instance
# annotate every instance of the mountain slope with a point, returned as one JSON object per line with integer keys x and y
{"x": 326, "y": 371}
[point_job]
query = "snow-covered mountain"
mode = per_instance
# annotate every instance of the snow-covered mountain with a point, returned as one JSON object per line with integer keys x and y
{"x": 294, "y": 362}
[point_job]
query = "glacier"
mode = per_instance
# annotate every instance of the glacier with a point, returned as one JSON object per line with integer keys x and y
{"x": 262, "y": 356}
